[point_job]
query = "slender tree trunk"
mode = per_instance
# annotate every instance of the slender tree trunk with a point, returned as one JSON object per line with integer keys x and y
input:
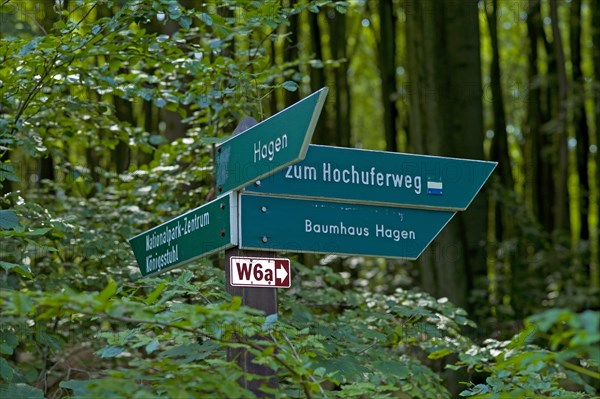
{"x": 121, "y": 155}
{"x": 7, "y": 185}
{"x": 595, "y": 9}
{"x": 387, "y": 68}
{"x": 534, "y": 115}
{"x": 174, "y": 127}
{"x": 499, "y": 149}
{"x": 561, "y": 191}
{"x": 46, "y": 163}
{"x": 542, "y": 87}
{"x": 580, "y": 119}
{"x": 290, "y": 52}
{"x": 317, "y": 78}
{"x": 337, "y": 43}
{"x": 504, "y": 221}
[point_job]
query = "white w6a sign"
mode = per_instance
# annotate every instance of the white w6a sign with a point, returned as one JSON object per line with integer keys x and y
{"x": 260, "y": 272}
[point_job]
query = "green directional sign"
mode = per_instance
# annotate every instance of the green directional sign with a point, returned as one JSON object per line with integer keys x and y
{"x": 196, "y": 233}
{"x": 301, "y": 225}
{"x": 377, "y": 177}
{"x": 269, "y": 146}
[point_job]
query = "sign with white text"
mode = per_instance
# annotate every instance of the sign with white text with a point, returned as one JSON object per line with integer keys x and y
{"x": 268, "y": 146}
{"x": 379, "y": 177}
{"x": 300, "y": 225}
{"x": 199, "y": 232}
{"x": 260, "y": 272}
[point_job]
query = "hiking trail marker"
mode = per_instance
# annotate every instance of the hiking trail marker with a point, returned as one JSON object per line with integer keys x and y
{"x": 259, "y": 272}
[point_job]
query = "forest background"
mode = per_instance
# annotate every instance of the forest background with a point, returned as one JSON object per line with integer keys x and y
{"x": 109, "y": 112}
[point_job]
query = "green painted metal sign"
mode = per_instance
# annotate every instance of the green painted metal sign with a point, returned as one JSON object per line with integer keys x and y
{"x": 269, "y": 146}
{"x": 377, "y": 177}
{"x": 301, "y": 225}
{"x": 199, "y": 232}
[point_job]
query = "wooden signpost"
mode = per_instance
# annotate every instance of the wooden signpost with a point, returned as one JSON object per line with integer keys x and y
{"x": 276, "y": 193}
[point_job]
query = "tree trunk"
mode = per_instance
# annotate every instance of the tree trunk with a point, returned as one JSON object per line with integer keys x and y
{"x": 46, "y": 163}
{"x": 446, "y": 119}
{"x": 561, "y": 190}
{"x": 533, "y": 125}
{"x": 317, "y": 78}
{"x": 595, "y": 9}
{"x": 387, "y": 69}
{"x": 499, "y": 149}
{"x": 120, "y": 155}
{"x": 580, "y": 119}
{"x": 341, "y": 92}
{"x": 6, "y": 186}
{"x": 504, "y": 221}
{"x": 541, "y": 103}
{"x": 290, "y": 52}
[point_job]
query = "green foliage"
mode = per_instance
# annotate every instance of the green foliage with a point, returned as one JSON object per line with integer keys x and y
{"x": 157, "y": 344}
{"x": 556, "y": 354}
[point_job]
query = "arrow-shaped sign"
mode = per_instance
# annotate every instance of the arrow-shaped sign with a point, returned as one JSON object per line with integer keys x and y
{"x": 199, "y": 232}
{"x": 300, "y": 225}
{"x": 269, "y": 146}
{"x": 382, "y": 178}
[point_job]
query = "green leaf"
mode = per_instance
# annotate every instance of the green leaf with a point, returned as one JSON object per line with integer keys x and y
{"x": 8, "y": 342}
{"x": 389, "y": 367}
{"x": 48, "y": 339}
{"x": 6, "y": 372}
{"x": 270, "y": 322}
{"x": 20, "y": 391}
{"x": 154, "y": 295}
{"x": 8, "y": 220}
{"x": 108, "y": 292}
{"x": 110, "y": 351}
{"x": 7, "y": 171}
{"x": 290, "y": 85}
{"x": 152, "y": 346}
{"x": 38, "y": 232}
{"x": 191, "y": 352}
{"x": 185, "y": 22}
{"x": 347, "y": 367}
{"x": 30, "y": 46}
{"x": 20, "y": 269}
{"x": 205, "y": 18}
{"x": 157, "y": 139}
{"x": 79, "y": 388}
{"x": 439, "y": 354}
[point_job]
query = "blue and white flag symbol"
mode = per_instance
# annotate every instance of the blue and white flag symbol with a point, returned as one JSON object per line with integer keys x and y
{"x": 435, "y": 187}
